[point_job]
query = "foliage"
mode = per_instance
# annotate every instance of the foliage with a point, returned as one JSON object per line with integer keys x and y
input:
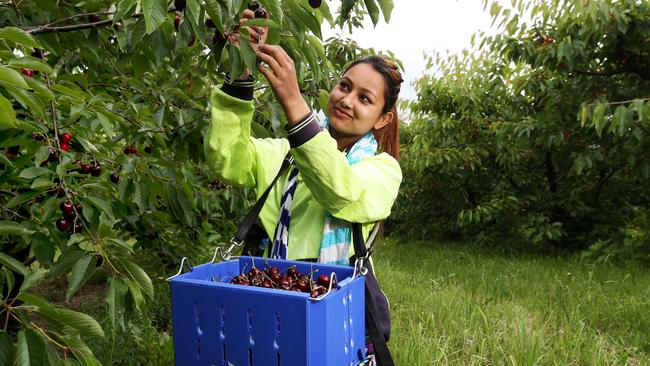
{"x": 130, "y": 82}
{"x": 542, "y": 135}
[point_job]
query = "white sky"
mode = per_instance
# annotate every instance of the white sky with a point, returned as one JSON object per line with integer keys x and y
{"x": 417, "y": 27}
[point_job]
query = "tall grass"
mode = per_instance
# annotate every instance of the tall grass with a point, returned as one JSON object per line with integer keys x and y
{"x": 466, "y": 305}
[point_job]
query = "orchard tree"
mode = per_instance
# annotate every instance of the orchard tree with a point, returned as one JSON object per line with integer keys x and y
{"x": 541, "y": 137}
{"x": 102, "y": 108}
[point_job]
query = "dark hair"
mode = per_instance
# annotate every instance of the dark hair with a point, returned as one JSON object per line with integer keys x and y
{"x": 388, "y": 136}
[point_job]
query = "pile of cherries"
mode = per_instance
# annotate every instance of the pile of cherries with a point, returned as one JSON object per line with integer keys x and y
{"x": 291, "y": 280}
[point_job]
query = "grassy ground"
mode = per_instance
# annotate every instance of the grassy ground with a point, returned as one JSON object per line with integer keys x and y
{"x": 464, "y": 305}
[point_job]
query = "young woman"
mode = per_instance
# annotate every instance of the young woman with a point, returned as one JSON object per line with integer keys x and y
{"x": 344, "y": 170}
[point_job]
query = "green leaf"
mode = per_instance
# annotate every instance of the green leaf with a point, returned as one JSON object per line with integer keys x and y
{"x": 13, "y": 228}
{"x": 138, "y": 275}
{"x": 260, "y": 22}
{"x": 248, "y": 53}
{"x": 85, "y": 324}
{"x": 123, "y": 8}
{"x": 76, "y": 94}
{"x": 13, "y": 264}
{"x": 102, "y": 205}
{"x": 215, "y": 13}
{"x": 31, "y": 350}
{"x": 346, "y": 8}
{"x": 33, "y": 278}
{"x": 87, "y": 145}
{"x": 117, "y": 291}
{"x": 275, "y": 10}
{"x": 33, "y": 172}
{"x": 12, "y": 77}
{"x": 7, "y": 113}
{"x": 6, "y": 348}
{"x": 32, "y": 63}
{"x": 65, "y": 262}
{"x": 259, "y": 131}
{"x": 306, "y": 17}
{"x": 638, "y": 105}
{"x": 19, "y": 36}
{"x": 386, "y": 8}
{"x": 598, "y": 119}
{"x": 22, "y": 198}
{"x": 373, "y": 10}
{"x": 154, "y": 13}
{"x": 27, "y": 100}
{"x": 81, "y": 272}
{"x": 236, "y": 66}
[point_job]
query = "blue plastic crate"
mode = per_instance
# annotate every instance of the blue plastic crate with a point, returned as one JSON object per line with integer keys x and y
{"x": 217, "y": 323}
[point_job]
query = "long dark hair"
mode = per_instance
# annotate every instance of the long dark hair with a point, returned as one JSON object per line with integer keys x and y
{"x": 388, "y": 136}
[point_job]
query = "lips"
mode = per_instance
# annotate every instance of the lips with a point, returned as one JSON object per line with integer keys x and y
{"x": 341, "y": 113}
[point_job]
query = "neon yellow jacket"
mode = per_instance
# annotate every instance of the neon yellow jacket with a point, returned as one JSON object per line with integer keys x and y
{"x": 363, "y": 192}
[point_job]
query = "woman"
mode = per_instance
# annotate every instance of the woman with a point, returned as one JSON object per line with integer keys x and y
{"x": 330, "y": 188}
{"x": 345, "y": 169}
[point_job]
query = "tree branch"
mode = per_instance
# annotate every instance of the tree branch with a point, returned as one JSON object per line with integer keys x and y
{"x": 68, "y": 28}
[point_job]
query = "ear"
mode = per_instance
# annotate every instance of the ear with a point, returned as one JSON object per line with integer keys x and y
{"x": 383, "y": 120}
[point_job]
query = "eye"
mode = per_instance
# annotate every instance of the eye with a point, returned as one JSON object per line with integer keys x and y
{"x": 343, "y": 86}
{"x": 364, "y": 99}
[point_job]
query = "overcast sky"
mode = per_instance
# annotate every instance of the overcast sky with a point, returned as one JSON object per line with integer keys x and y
{"x": 420, "y": 26}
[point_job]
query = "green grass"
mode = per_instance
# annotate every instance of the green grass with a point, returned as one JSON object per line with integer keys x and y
{"x": 467, "y": 305}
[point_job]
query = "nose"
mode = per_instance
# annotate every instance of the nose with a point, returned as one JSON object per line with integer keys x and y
{"x": 345, "y": 101}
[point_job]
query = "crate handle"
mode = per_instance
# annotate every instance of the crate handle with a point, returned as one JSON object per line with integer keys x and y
{"x": 329, "y": 288}
{"x": 181, "y": 269}
{"x": 226, "y": 256}
{"x": 358, "y": 264}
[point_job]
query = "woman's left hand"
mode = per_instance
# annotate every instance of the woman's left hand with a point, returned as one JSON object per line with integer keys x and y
{"x": 283, "y": 80}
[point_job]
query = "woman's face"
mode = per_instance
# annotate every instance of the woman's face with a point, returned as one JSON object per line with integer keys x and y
{"x": 357, "y": 101}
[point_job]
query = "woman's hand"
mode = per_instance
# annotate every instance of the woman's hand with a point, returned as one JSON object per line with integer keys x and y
{"x": 283, "y": 80}
{"x": 257, "y": 36}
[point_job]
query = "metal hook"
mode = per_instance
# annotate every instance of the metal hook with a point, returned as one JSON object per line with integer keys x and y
{"x": 329, "y": 288}
{"x": 181, "y": 268}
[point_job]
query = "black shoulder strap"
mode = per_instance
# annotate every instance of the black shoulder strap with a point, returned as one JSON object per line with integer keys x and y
{"x": 382, "y": 353}
{"x": 247, "y": 223}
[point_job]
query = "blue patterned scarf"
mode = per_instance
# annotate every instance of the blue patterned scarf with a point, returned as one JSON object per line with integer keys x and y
{"x": 337, "y": 233}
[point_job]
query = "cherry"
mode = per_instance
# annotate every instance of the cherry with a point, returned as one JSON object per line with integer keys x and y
{"x": 79, "y": 208}
{"x": 37, "y": 136}
{"x": 53, "y": 154}
{"x": 85, "y": 168}
{"x": 254, "y": 272}
{"x": 66, "y": 137}
{"x": 67, "y": 208}
{"x": 254, "y": 5}
{"x": 99, "y": 260}
{"x": 260, "y": 13}
{"x": 130, "y": 149}
{"x": 147, "y": 149}
{"x": 209, "y": 23}
{"x": 314, "y": 294}
{"x": 38, "y": 53}
{"x": 324, "y": 280}
{"x": 267, "y": 284}
{"x": 64, "y": 146}
{"x": 302, "y": 285}
{"x": 315, "y": 3}
{"x": 293, "y": 272}
{"x": 115, "y": 177}
{"x": 177, "y": 21}
{"x": 77, "y": 228}
{"x": 62, "y": 224}
{"x": 272, "y": 271}
{"x": 93, "y": 18}
{"x": 180, "y": 4}
{"x": 218, "y": 37}
{"x": 96, "y": 170}
{"x": 27, "y": 72}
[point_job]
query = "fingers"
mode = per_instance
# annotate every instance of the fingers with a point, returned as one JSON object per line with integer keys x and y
{"x": 277, "y": 54}
{"x": 269, "y": 60}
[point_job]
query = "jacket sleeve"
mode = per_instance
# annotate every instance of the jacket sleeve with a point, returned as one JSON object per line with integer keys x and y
{"x": 362, "y": 192}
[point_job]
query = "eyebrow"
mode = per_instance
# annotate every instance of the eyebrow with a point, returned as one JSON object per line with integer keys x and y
{"x": 347, "y": 79}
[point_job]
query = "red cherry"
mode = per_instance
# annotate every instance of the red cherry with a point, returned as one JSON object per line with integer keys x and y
{"x": 64, "y": 146}
{"x": 27, "y": 72}
{"x": 180, "y": 4}
{"x": 293, "y": 272}
{"x": 254, "y": 5}
{"x": 37, "y": 136}
{"x": 261, "y": 13}
{"x": 67, "y": 208}
{"x": 62, "y": 224}
{"x": 78, "y": 208}
{"x": 66, "y": 137}
{"x": 115, "y": 177}
{"x": 315, "y": 3}
{"x": 314, "y": 294}
{"x": 85, "y": 168}
{"x": 272, "y": 270}
{"x": 93, "y": 18}
{"x": 77, "y": 228}
{"x": 177, "y": 21}
{"x": 96, "y": 170}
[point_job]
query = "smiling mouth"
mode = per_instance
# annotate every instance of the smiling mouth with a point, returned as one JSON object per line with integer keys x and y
{"x": 341, "y": 113}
